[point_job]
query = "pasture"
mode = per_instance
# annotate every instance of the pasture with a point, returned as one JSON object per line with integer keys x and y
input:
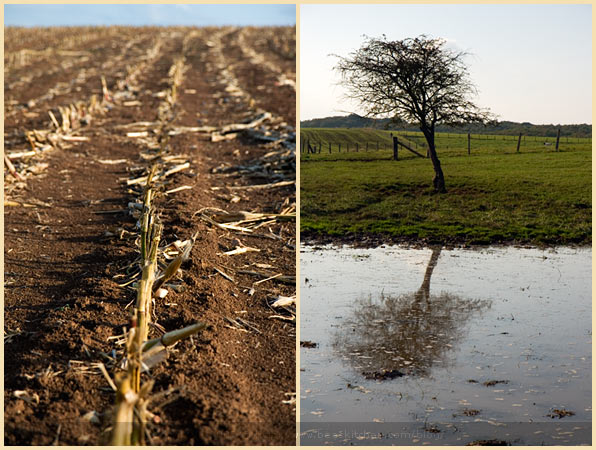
{"x": 370, "y": 143}
{"x": 495, "y": 194}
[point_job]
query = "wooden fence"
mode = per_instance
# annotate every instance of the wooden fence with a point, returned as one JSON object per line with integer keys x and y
{"x": 317, "y": 147}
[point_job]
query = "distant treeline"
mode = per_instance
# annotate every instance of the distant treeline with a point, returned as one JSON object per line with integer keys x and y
{"x": 505, "y": 127}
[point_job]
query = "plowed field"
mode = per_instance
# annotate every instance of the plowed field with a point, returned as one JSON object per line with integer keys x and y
{"x": 215, "y": 107}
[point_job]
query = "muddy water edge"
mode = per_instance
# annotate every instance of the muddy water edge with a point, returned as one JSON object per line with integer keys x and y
{"x": 445, "y": 347}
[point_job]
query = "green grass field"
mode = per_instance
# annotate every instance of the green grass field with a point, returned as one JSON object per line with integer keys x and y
{"x": 495, "y": 195}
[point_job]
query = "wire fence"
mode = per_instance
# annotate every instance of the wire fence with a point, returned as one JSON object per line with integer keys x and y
{"x": 443, "y": 141}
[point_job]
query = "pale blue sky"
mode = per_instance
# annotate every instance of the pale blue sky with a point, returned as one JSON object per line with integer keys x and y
{"x": 531, "y": 63}
{"x": 155, "y": 14}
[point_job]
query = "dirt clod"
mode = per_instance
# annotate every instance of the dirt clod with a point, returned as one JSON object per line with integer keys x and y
{"x": 560, "y": 413}
{"x": 495, "y": 382}
{"x": 489, "y": 442}
{"x": 383, "y": 374}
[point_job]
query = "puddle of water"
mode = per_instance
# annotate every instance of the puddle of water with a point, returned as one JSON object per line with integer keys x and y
{"x": 446, "y": 347}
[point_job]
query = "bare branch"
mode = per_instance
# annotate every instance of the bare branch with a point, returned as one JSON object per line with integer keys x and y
{"x": 416, "y": 80}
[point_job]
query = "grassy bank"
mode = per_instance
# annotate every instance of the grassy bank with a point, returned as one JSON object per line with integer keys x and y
{"x": 494, "y": 197}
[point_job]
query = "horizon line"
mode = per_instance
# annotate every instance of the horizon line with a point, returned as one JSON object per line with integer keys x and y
{"x": 498, "y": 121}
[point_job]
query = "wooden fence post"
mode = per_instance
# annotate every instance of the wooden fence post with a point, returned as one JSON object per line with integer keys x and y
{"x": 469, "y": 143}
{"x": 320, "y": 145}
{"x": 395, "y": 144}
{"x": 519, "y": 142}
{"x": 356, "y": 147}
{"x": 339, "y": 148}
{"x": 347, "y": 147}
{"x": 329, "y": 147}
{"x": 558, "y": 136}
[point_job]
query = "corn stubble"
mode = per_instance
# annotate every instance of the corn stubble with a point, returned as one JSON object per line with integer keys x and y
{"x": 133, "y": 394}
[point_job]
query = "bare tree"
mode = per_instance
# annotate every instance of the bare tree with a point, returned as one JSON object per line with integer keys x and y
{"x": 412, "y": 333}
{"x": 418, "y": 80}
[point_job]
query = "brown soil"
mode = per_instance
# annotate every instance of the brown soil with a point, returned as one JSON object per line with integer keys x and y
{"x": 64, "y": 256}
{"x": 373, "y": 240}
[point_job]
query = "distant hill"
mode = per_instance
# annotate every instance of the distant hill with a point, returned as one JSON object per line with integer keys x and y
{"x": 505, "y": 127}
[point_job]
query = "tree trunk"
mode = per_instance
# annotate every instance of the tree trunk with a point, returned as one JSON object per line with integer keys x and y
{"x": 439, "y": 179}
{"x": 424, "y": 291}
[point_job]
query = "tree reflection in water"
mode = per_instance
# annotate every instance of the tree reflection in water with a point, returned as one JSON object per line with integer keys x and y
{"x": 411, "y": 332}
